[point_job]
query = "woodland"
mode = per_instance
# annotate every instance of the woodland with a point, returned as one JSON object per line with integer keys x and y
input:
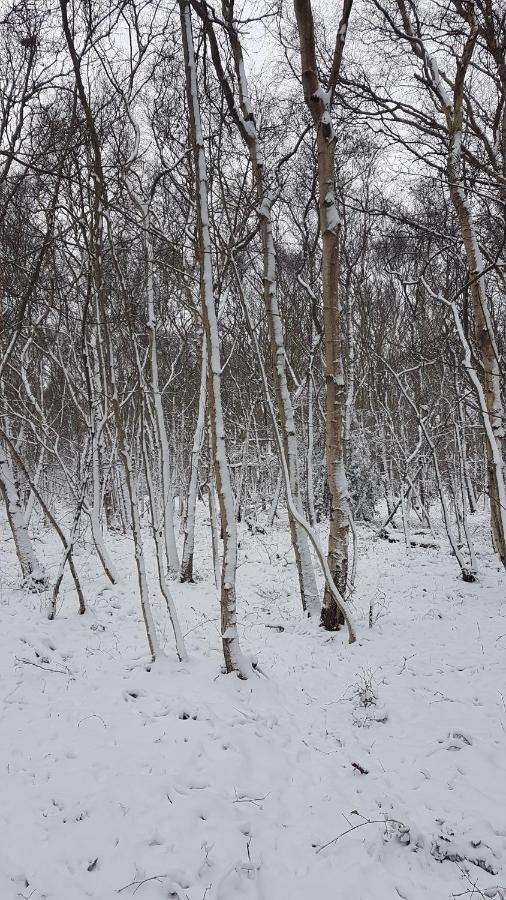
{"x": 253, "y": 449}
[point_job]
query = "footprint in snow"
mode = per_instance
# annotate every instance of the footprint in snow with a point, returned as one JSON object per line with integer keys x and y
{"x": 456, "y": 740}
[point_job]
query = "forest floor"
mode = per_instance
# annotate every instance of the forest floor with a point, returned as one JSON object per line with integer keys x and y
{"x": 368, "y": 772}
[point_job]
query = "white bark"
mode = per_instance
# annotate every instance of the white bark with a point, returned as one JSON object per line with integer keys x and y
{"x": 299, "y": 518}
{"x": 163, "y": 442}
{"x": 33, "y": 573}
{"x": 36, "y": 478}
{"x": 191, "y": 505}
{"x": 157, "y": 537}
{"x": 98, "y": 217}
{"x": 234, "y": 659}
{"x": 309, "y": 454}
{"x": 95, "y": 513}
{"x": 493, "y": 433}
{"x": 245, "y": 120}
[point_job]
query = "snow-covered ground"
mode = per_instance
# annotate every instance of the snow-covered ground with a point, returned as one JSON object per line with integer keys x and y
{"x": 369, "y": 772}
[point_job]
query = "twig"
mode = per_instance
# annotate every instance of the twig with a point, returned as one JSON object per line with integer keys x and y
{"x": 138, "y": 884}
{"x": 28, "y": 662}
{"x": 354, "y": 828}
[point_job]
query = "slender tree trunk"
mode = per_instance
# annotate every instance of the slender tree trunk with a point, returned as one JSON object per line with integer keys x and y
{"x": 234, "y": 659}
{"x": 305, "y": 569}
{"x": 275, "y": 500}
{"x": 191, "y": 504}
{"x": 167, "y": 490}
{"x": 157, "y": 529}
{"x": 303, "y": 523}
{"x": 96, "y": 247}
{"x": 215, "y": 538}
{"x": 95, "y": 512}
{"x": 309, "y": 454}
{"x": 463, "y": 495}
{"x": 242, "y": 487}
{"x": 350, "y": 386}
{"x": 245, "y": 121}
{"x": 31, "y": 498}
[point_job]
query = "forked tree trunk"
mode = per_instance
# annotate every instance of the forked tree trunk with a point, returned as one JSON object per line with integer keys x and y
{"x": 142, "y": 206}
{"x": 305, "y": 569}
{"x": 319, "y": 102}
{"x": 67, "y": 554}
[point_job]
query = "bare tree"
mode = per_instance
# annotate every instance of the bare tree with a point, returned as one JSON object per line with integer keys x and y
{"x": 319, "y": 100}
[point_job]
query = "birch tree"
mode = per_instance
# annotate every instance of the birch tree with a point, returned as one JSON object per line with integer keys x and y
{"x": 319, "y": 100}
{"x": 244, "y": 119}
{"x": 234, "y": 659}
{"x": 455, "y": 103}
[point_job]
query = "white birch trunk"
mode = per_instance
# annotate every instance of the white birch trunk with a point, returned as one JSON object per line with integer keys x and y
{"x": 161, "y": 428}
{"x": 309, "y": 455}
{"x": 32, "y": 571}
{"x": 191, "y": 505}
{"x": 245, "y": 120}
{"x": 234, "y": 659}
{"x": 95, "y": 513}
{"x": 299, "y": 518}
{"x": 168, "y": 495}
{"x": 157, "y": 528}
{"x": 36, "y": 478}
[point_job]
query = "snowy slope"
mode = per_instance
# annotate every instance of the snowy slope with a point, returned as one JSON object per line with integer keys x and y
{"x": 183, "y": 782}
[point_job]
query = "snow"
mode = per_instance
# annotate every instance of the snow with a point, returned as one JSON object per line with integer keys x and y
{"x": 323, "y": 95}
{"x": 332, "y": 217}
{"x": 375, "y": 770}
